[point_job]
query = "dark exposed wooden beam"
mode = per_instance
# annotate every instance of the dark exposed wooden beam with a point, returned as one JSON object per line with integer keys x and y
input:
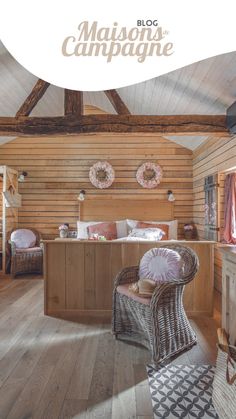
{"x": 89, "y": 124}
{"x": 73, "y": 102}
{"x": 231, "y": 118}
{"x": 117, "y": 103}
{"x": 31, "y": 101}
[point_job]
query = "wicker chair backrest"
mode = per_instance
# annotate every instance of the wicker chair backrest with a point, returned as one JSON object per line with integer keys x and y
{"x": 36, "y": 232}
{"x": 190, "y": 263}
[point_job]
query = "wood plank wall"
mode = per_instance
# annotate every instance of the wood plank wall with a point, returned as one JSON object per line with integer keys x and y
{"x": 1, "y": 188}
{"x": 214, "y": 156}
{"x": 58, "y": 169}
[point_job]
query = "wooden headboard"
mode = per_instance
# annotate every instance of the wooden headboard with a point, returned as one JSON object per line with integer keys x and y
{"x": 118, "y": 209}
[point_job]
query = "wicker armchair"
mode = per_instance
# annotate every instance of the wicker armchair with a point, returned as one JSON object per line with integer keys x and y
{"x": 28, "y": 260}
{"x": 161, "y": 323}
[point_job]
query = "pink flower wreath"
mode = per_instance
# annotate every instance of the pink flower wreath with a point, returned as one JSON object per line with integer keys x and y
{"x": 153, "y": 179}
{"x": 104, "y": 168}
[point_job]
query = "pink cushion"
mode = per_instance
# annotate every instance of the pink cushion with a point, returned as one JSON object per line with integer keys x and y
{"x": 161, "y": 264}
{"x": 107, "y": 230}
{"x": 29, "y": 250}
{"x": 23, "y": 238}
{"x": 124, "y": 289}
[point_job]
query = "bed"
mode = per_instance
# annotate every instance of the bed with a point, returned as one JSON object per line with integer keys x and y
{"x": 79, "y": 274}
{"x": 123, "y": 218}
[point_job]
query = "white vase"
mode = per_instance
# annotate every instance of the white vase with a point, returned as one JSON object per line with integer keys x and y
{"x": 63, "y": 234}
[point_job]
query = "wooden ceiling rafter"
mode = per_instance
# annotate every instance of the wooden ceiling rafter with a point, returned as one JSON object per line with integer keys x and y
{"x": 231, "y": 118}
{"x": 116, "y": 101}
{"x": 34, "y": 97}
{"x": 92, "y": 124}
{"x": 73, "y": 102}
{"x": 74, "y": 122}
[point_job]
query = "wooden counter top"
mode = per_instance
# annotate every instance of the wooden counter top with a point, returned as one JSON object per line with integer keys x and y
{"x": 68, "y": 240}
{"x": 228, "y": 248}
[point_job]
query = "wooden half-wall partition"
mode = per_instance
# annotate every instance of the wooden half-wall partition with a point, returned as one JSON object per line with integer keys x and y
{"x": 58, "y": 168}
{"x": 79, "y": 275}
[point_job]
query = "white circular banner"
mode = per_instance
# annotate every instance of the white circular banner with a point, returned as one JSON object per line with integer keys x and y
{"x": 99, "y": 45}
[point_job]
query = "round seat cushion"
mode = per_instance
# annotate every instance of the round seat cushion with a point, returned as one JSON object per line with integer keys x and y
{"x": 160, "y": 265}
{"x": 23, "y": 238}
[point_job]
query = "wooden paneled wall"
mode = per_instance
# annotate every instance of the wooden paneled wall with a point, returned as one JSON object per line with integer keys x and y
{"x": 58, "y": 169}
{"x": 215, "y": 156}
{"x": 1, "y": 188}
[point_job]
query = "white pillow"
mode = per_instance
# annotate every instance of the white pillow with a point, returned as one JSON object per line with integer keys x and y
{"x": 122, "y": 228}
{"x": 161, "y": 264}
{"x": 23, "y": 238}
{"x": 154, "y": 234}
{"x": 82, "y": 232}
{"x": 82, "y": 226}
{"x": 173, "y": 226}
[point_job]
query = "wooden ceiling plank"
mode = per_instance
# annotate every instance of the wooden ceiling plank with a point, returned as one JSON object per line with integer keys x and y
{"x": 34, "y": 97}
{"x": 73, "y": 102}
{"x": 116, "y": 101}
{"x": 92, "y": 124}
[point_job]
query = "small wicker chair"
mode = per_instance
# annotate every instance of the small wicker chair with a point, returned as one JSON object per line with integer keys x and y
{"x": 161, "y": 324}
{"x": 28, "y": 260}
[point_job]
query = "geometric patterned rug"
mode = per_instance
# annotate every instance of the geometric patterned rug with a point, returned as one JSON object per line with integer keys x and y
{"x": 182, "y": 391}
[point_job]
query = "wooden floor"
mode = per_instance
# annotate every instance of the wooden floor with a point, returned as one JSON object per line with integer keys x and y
{"x": 51, "y": 368}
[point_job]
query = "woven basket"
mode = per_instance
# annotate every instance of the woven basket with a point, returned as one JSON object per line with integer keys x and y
{"x": 224, "y": 384}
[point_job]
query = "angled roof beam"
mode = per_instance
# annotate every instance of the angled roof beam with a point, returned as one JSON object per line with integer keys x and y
{"x": 91, "y": 124}
{"x": 117, "y": 103}
{"x": 73, "y": 102}
{"x": 34, "y": 97}
{"x": 231, "y": 118}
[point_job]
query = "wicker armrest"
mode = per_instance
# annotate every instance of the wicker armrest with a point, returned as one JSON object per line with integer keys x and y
{"x": 161, "y": 288}
{"x": 127, "y": 275}
{"x": 13, "y": 247}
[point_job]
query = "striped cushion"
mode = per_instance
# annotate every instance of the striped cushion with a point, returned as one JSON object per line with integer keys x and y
{"x": 161, "y": 264}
